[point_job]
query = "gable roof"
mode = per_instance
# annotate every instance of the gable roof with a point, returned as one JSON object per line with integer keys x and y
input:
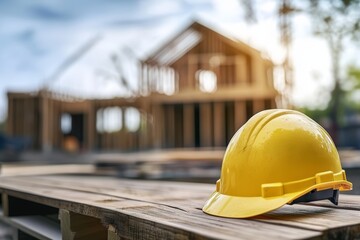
{"x": 187, "y": 39}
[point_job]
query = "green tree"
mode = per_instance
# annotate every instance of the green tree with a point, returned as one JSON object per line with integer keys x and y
{"x": 336, "y": 21}
{"x": 352, "y": 87}
{"x": 349, "y": 101}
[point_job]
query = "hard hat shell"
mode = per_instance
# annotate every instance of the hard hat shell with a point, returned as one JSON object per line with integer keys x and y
{"x": 273, "y": 159}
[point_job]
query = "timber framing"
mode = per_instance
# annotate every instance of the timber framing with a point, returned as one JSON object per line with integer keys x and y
{"x": 175, "y": 110}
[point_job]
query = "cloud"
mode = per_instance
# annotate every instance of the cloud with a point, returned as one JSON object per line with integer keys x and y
{"x": 35, "y": 38}
{"x": 46, "y": 13}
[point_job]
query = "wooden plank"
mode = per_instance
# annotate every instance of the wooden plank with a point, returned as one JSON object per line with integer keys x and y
{"x": 258, "y": 105}
{"x": 45, "y": 142}
{"x": 219, "y": 124}
{"x": 4, "y": 204}
{"x": 31, "y": 226}
{"x": 197, "y": 225}
{"x": 78, "y": 226}
{"x": 206, "y": 125}
{"x": 178, "y": 126}
{"x": 155, "y": 204}
{"x": 315, "y": 218}
{"x": 230, "y": 118}
{"x": 138, "y": 213}
{"x": 169, "y": 113}
{"x": 10, "y": 115}
{"x": 158, "y": 127}
{"x": 188, "y": 121}
{"x": 240, "y": 113}
{"x": 222, "y": 94}
{"x": 112, "y": 235}
{"x": 241, "y": 69}
{"x": 91, "y": 127}
{"x": 39, "y": 227}
{"x": 110, "y": 187}
{"x": 188, "y": 83}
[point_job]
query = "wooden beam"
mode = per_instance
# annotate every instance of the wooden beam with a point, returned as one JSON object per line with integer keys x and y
{"x": 188, "y": 120}
{"x": 178, "y": 126}
{"x": 10, "y": 116}
{"x": 219, "y": 124}
{"x": 45, "y": 143}
{"x": 241, "y": 69}
{"x": 206, "y": 125}
{"x": 158, "y": 125}
{"x": 258, "y": 105}
{"x": 240, "y": 114}
{"x": 112, "y": 235}
{"x": 78, "y": 226}
{"x": 169, "y": 125}
{"x": 91, "y": 127}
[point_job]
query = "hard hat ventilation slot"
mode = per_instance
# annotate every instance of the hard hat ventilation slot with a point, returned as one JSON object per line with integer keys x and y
{"x": 330, "y": 194}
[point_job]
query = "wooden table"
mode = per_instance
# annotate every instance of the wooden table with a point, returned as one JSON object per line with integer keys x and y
{"x": 89, "y": 207}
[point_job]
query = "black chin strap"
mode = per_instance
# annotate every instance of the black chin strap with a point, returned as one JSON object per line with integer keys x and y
{"x": 330, "y": 194}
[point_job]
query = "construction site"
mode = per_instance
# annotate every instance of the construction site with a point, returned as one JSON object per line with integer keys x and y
{"x": 195, "y": 92}
{"x": 171, "y": 155}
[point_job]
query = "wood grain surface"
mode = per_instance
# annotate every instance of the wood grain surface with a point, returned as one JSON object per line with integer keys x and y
{"x": 135, "y": 209}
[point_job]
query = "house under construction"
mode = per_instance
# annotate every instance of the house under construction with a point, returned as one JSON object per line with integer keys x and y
{"x": 195, "y": 91}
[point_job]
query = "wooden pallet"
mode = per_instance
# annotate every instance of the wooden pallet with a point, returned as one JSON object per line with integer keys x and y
{"x": 91, "y": 207}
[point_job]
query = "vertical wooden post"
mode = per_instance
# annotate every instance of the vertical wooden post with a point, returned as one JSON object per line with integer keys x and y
{"x": 219, "y": 124}
{"x": 241, "y": 69}
{"x": 77, "y": 226}
{"x": 258, "y": 105}
{"x": 10, "y": 115}
{"x": 158, "y": 127}
{"x": 112, "y": 235}
{"x": 56, "y": 125}
{"x": 192, "y": 60}
{"x": 206, "y": 125}
{"x": 230, "y": 118}
{"x": 144, "y": 125}
{"x": 5, "y": 204}
{"x": 178, "y": 126}
{"x": 45, "y": 122}
{"x": 188, "y": 119}
{"x": 91, "y": 126}
{"x": 28, "y": 113}
{"x": 51, "y": 127}
{"x": 140, "y": 78}
{"x": 240, "y": 114}
{"x": 170, "y": 125}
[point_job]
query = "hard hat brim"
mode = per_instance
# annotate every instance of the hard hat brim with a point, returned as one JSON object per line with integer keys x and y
{"x": 243, "y": 207}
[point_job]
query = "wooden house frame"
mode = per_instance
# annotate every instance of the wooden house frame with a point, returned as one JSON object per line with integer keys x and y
{"x": 195, "y": 91}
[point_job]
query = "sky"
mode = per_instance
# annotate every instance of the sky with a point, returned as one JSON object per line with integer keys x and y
{"x": 36, "y": 37}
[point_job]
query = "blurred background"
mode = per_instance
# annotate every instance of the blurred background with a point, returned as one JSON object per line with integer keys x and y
{"x": 156, "y": 89}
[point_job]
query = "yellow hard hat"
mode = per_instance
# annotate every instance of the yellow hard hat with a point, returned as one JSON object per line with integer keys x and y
{"x": 277, "y": 157}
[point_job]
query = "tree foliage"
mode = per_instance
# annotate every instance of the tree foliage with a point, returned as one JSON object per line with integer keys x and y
{"x": 352, "y": 87}
{"x": 336, "y": 21}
